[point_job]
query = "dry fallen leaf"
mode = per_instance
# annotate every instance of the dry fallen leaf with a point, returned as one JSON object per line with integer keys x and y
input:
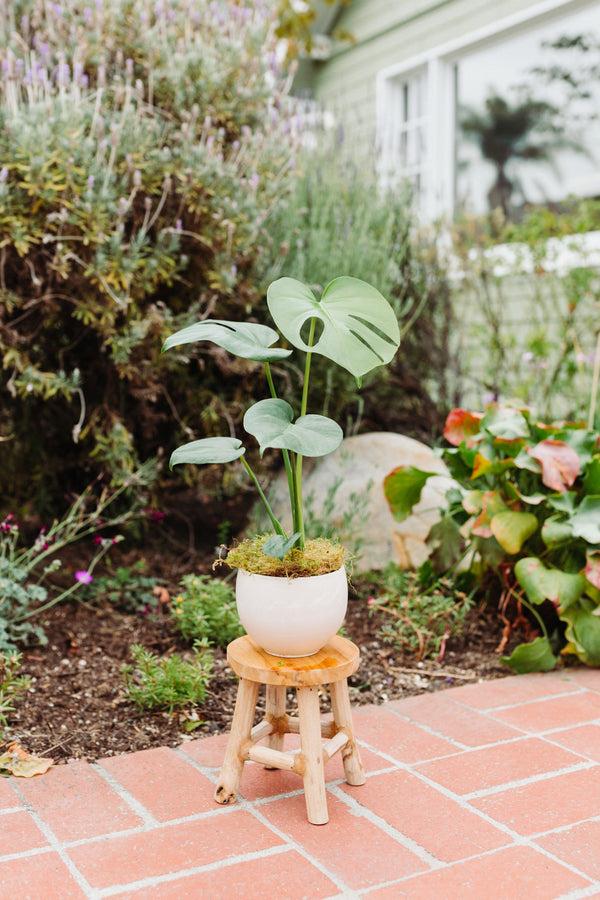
{"x": 18, "y": 762}
{"x": 162, "y": 594}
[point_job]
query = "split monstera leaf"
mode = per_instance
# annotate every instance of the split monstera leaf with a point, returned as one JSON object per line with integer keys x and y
{"x": 358, "y": 330}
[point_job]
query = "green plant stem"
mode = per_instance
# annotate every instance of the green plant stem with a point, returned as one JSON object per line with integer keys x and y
{"x": 286, "y": 455}
{"x": 68, "y": 591}
{"x": 274, "y": 520}
{"x": 595, "y": 383}
{"x": 535, "y": 614}
{"x": 303, "y": 407}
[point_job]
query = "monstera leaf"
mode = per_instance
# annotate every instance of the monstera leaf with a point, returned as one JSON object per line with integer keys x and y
{"x": 208, "y": 450}
{"x": 246, "y": 339}
{"x": 360, "y": 329}
{"x": 272, "y": 424}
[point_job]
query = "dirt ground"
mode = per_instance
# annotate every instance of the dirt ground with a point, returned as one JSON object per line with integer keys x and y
{"x": 76, "y": 707}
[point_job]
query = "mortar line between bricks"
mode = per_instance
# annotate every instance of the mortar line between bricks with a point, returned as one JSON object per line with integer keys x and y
{"x": 446, "y": 865}
{"x": 424, "y": 855}
{"x": 524, "y": 840}
{"x": 531, "y": 779}
{"x": 138, "y": 808}
{"x": 581, "y": 892}
{"x": 25, "y": 854}
{"x": 154, "y": 880}
{"x": 249, "y": 806}
{"x": 560, "y": 828}
{"x": 194, "y": 817}
{"x": 487, "y": 709}
{"x": 55, "y": 844}
{"x": 148, "y": 829}
{"x": 426, "y": 728}
{"x": 11, "y": 809}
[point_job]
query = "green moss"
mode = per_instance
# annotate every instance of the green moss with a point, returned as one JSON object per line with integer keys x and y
{"x": 319, "y": 557}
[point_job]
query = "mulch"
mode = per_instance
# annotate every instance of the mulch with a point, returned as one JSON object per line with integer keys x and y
{"x": 76, "y": 707}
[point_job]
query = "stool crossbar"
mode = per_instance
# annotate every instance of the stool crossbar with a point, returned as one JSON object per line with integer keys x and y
{"x": 320, "y": 739}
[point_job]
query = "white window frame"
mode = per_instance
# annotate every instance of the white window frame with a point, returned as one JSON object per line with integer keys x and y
{"x": 440, "y": 64}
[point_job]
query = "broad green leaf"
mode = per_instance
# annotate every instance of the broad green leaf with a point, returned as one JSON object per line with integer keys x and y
{"x": 583, "y": 442}
{"x": 492, "y": 503}
{"x": 505, "y": 422}
{"x": 271, "y": 423}
{"x": 585, "y": 521}
{"x": 485, "y": 466}
{"x": 461, "y": 425}
{"x": 591, "y": 481}
{"x": 592, "y": 568}
{"x": 402, "y": 488}
{"x": 511, "y": 529}
{"x": 279, "y": 545}
{"x": 560, "y": 463}
{"x": 208, "y": 450}
{"x": 524, "y": 461}
{"x": 536, "y": 656}
{"x": 556, "y": 531}
{"x": 360, "y": 328}
{"x": 472, "y": 502}
{"x": 246, "y": 339}
{"x": 583, "y": 631}
{"x": 540, "y": 583}
{"x": 446, "y": 542}
{"x": 563, "y": 502}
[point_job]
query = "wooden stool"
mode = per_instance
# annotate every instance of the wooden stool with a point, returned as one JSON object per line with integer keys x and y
{"x": 331, "y": 666}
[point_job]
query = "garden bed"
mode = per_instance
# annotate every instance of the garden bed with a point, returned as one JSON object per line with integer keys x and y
{"x": 77, "y": 708}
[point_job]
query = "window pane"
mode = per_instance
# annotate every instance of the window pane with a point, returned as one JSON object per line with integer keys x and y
{"x": 529, "y": 117}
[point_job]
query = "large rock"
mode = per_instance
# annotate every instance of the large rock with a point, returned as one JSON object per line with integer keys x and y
{"x": 358, "y": 508}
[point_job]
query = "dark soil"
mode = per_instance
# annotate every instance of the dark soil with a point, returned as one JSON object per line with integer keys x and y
{"x": 76, "y": 707}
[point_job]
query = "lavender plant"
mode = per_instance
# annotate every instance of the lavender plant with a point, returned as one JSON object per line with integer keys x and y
{"x": 142, "y": 147}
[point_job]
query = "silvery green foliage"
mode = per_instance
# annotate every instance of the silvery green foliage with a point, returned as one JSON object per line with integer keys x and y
{"x": 18, "y": 596}
{"x": 143, "y": 146}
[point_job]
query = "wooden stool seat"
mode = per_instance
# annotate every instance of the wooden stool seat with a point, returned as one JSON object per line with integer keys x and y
{"x": 336, "y": 661}
{"x": 319, "y": 739}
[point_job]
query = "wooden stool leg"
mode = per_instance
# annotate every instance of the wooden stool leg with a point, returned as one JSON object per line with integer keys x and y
{"x": 312, "y": 753}
{"x": 275, "y": 713}
{"x": 241, "y": 726}
{"x": 342, "y": 716}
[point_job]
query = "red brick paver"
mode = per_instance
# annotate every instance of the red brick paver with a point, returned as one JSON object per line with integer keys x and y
{"x": 489, "y": 790}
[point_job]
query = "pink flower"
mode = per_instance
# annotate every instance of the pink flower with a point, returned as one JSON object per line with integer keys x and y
{"x": 97, "y": 540}
{"x": 83, "y": 576}
{"x": 155, "y": 515}
{"x": 371, "y": 601}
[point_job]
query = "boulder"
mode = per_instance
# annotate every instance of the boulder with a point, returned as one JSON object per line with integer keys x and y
{"x": 345, "y": 490}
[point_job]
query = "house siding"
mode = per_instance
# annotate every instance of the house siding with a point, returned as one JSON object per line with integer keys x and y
{"x": 387, "y": 33}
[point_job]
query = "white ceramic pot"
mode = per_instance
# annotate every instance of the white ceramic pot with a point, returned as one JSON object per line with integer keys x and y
{"x": 292, "y": 617}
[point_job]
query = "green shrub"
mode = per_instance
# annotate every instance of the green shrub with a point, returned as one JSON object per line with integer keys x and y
{"x": 127, "y": 587}
{"x": 423, "y": 612}
{"x": 205, "y": 610}
{"x": 12, "y": 686}
{"x": 142, "y": 148}
{"x": 525, "y": 518}
{"x": 170, "y": 682}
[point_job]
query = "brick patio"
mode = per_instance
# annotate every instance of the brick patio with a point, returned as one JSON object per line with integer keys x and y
{"x": 490, "y": 790}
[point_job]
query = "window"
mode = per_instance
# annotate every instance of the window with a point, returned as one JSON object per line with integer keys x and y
{"x": 403, "y": 132}
{"x": 432, "y": 110}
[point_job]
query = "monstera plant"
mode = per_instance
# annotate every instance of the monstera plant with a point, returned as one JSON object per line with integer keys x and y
{"x": 352, "y": 325}
{"x": 524, "y": 517}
